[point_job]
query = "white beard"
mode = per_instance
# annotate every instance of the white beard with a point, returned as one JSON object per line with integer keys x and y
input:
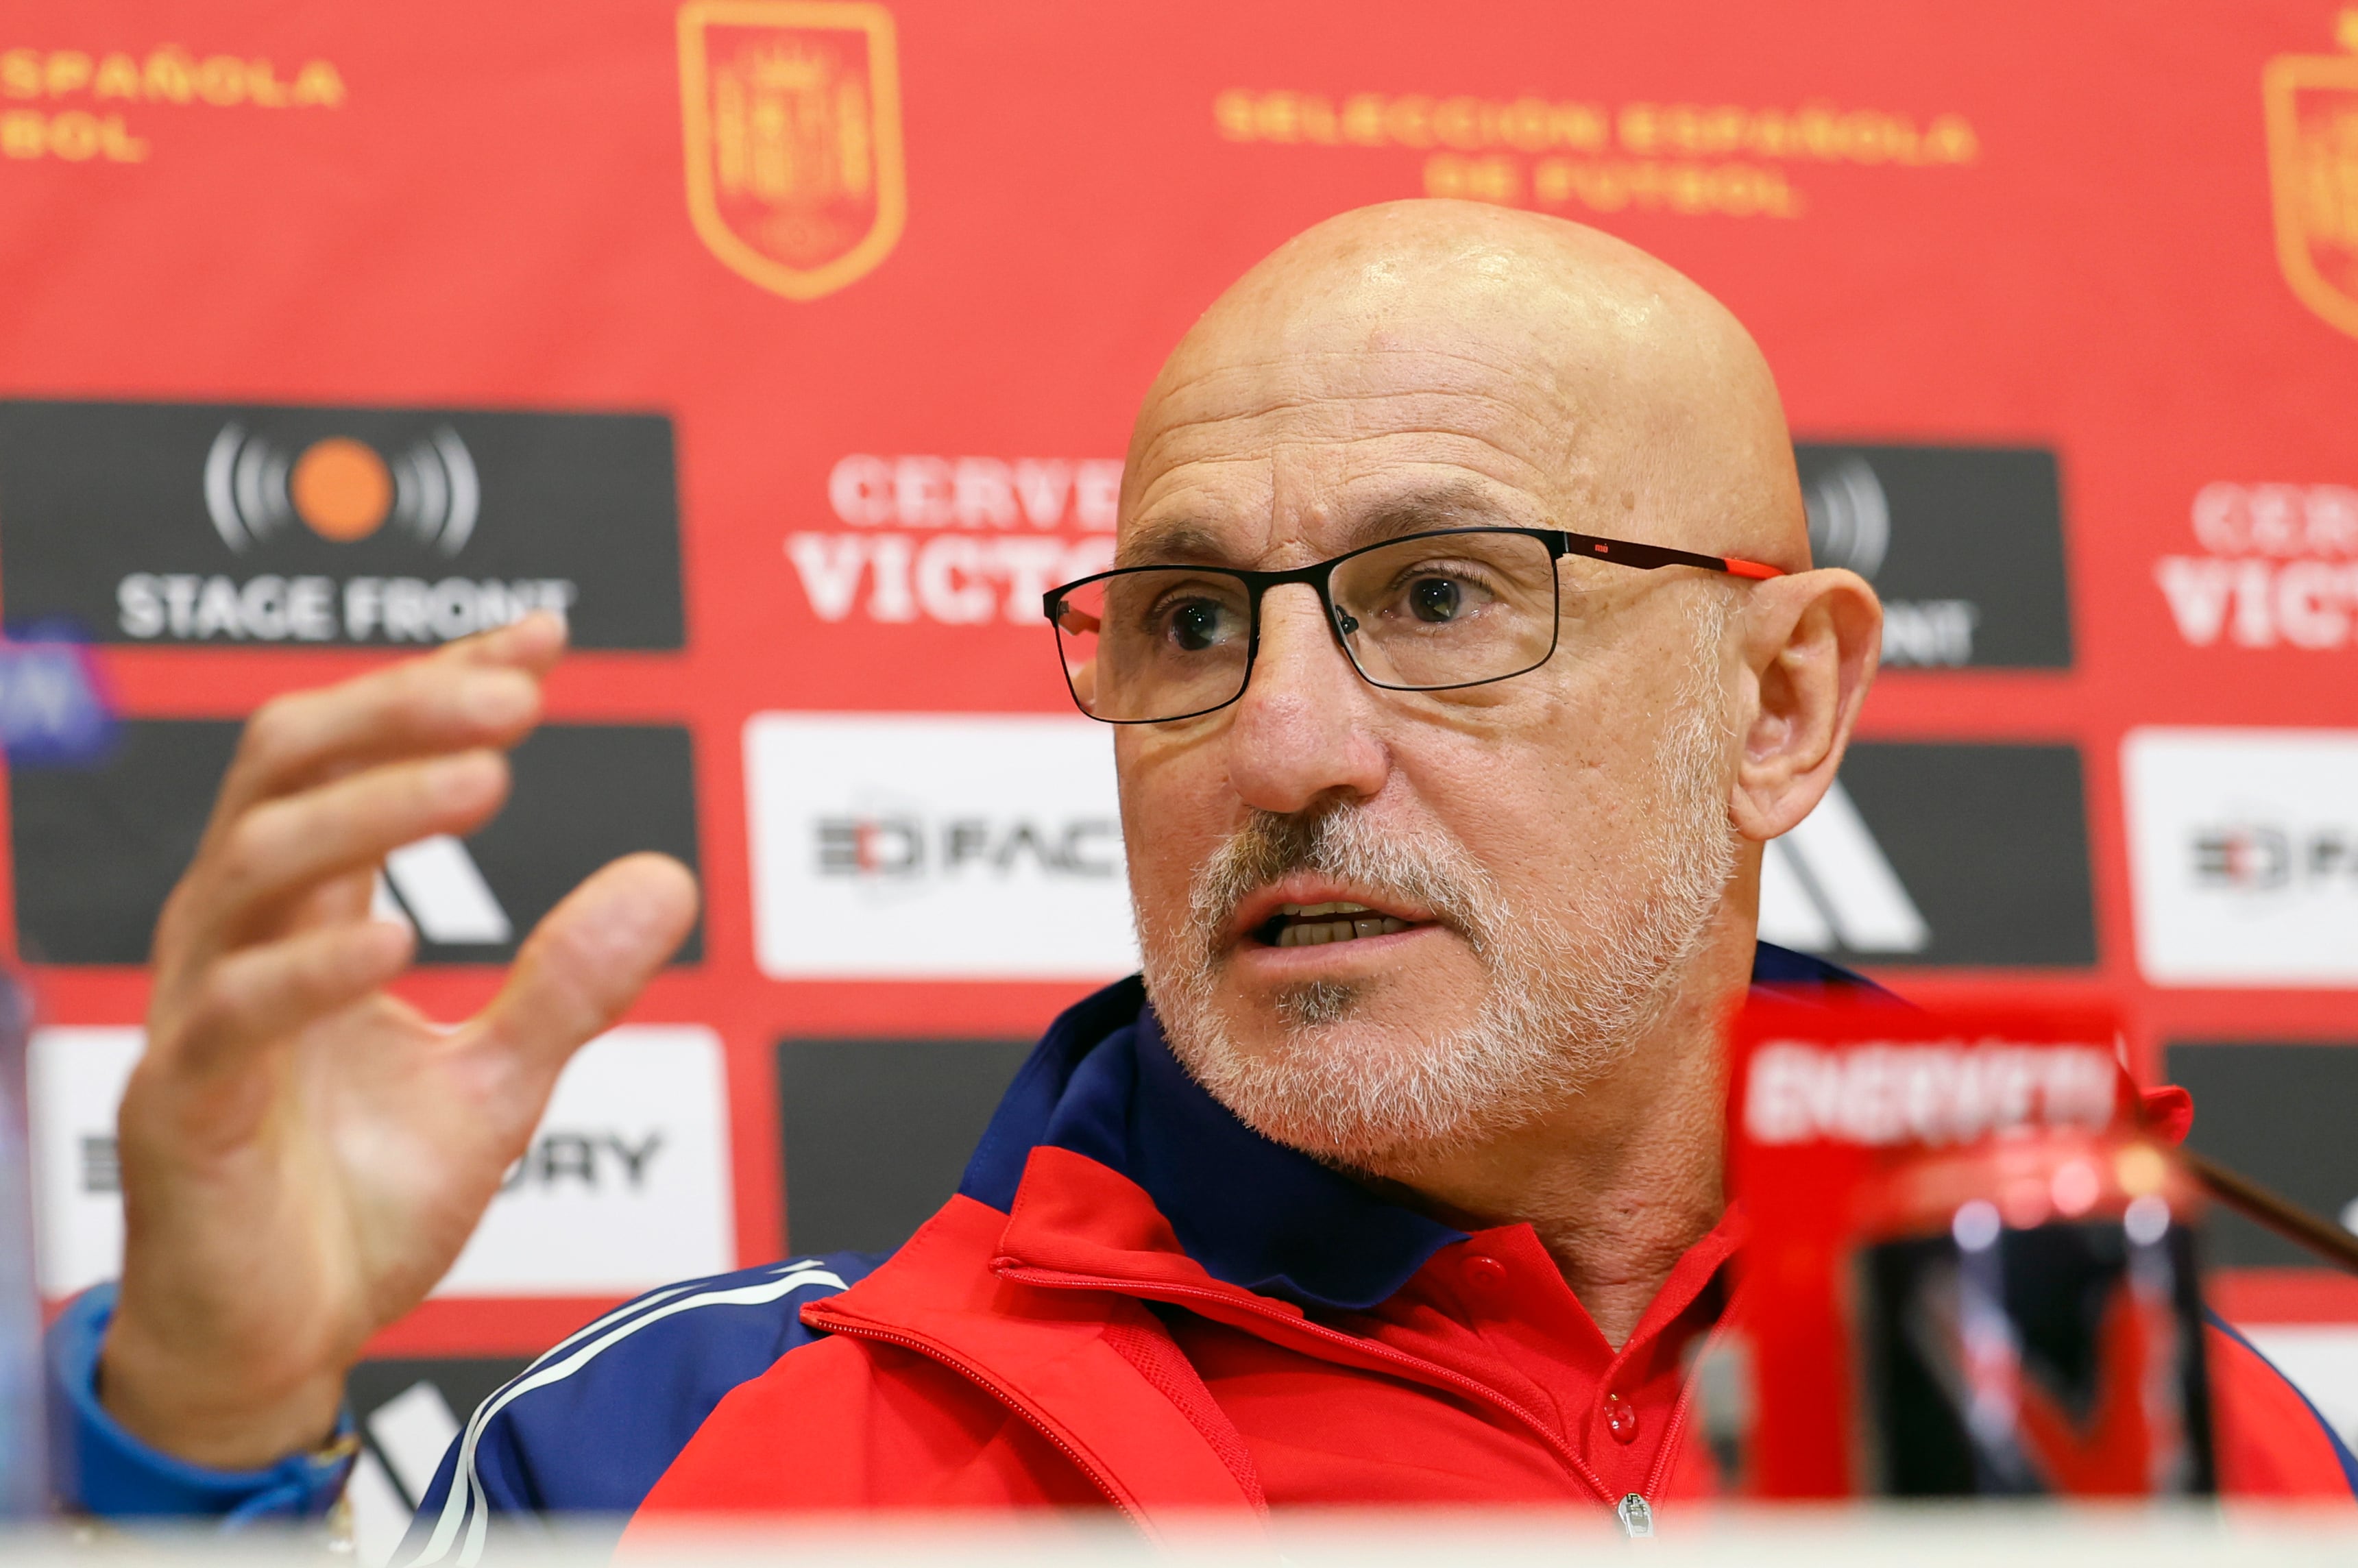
{"x": 1573, "y": 984}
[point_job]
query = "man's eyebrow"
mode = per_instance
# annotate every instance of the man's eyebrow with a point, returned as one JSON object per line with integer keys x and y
{"x": 1422, "y": 510}
{"x": 1189, "y": 541}
{"x": 1180, "y": 539}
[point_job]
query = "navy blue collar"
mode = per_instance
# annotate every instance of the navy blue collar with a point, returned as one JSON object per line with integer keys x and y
{"x": 1103, "y": 1084}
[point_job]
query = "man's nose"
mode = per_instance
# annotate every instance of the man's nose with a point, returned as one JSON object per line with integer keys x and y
{"x": 1302, "y": 729}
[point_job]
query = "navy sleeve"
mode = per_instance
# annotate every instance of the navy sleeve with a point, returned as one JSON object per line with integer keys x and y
{"x": 589, "y": 1428}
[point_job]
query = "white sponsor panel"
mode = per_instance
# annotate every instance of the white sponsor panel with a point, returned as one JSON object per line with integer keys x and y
{"x": 2243, "y": 855}
{"x": 892, "y": 847}
{"x": 624, "y": 1186}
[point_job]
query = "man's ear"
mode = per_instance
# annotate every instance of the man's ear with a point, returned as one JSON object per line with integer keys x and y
{"x": 1810, "y": 645}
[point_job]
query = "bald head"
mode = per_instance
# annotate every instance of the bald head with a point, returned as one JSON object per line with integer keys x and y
{"x": 1623, "y": 398}
{"x": 1394, "y": 920}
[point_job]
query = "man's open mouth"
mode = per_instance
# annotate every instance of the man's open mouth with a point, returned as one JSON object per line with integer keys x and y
{"x": 1311, "y": 924}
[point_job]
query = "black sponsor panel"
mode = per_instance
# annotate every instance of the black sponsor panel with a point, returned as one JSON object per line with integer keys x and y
{"x": 400, "y": 1404}
{"x": 97, "y": 851}
{"x": 1965, "y": 544}
{"x": 1989, "y": 842}
{"x": 179, "y": 523}
{"x": 2280, "y": 1114}
{"x": 877, "y": 1133}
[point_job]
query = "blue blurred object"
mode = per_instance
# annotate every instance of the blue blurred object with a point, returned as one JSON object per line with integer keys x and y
{"x": 54, "y": 710}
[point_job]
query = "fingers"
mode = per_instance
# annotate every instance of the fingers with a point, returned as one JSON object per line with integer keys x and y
{"x": 336, "y": 901}
{"x": 588, "y": 961}
{"x": 532, "y": 645}
{"x": 483, "y": 691}
{"x": 276, "y": 856}
{"x": 269, "y": 992}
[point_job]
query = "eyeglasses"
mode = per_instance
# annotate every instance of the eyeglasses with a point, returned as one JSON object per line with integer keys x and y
{"x": 1430, "y": 612}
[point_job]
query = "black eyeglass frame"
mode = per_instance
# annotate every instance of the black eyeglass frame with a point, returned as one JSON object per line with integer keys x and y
{"x": 1319, "y": 576}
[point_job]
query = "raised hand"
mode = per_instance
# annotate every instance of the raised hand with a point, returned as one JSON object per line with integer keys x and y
{"x": 304, "y": 1154}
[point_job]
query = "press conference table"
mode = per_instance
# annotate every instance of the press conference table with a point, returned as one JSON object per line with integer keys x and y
{"x": 2017, "y": 1537}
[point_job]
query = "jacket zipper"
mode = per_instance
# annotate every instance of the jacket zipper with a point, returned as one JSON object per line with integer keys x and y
{"x": 998, "y": 1391}
{"x": 1570, "y": 1460}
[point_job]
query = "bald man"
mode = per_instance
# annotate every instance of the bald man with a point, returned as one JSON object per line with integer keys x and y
{"x": 1461, "y": 656}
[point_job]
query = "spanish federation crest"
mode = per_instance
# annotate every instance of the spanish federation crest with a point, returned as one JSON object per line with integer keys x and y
{"x": 2312, "y": 108}
{"x": 793, "y": 127}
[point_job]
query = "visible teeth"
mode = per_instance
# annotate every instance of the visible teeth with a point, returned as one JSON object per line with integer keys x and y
{"x": 1325, "y": 931}
{"x": 1316, "y": 909}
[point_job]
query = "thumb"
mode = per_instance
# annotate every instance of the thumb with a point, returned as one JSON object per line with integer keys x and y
{"x": 588, "y": 961}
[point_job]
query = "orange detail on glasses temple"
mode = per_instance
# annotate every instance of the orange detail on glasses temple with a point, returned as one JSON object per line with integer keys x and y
{"x": 1751, "y": 569}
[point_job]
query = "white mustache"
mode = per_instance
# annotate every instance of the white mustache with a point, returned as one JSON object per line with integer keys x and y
{"x": 1339, "y": 841}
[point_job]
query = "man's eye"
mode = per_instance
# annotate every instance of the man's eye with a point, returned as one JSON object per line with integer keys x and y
{"x": 1435, "y": 599}
{"x": 1195, "y": 626}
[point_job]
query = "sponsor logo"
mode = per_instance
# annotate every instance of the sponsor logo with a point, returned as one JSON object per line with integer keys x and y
{"x": 625, "y": 1184}
{"x": 957, "y": 541}
{"x": 2280, "y": 1114}
{"x": 2262, "y": 857}
{"x": 97, "y": 850}
{"x": 1881, "y": 1095}
{"x": 192, "y": 523}
{"x": 792, "y": 120}
{"x": 407, "y": 1412}
{"x": 910, "y": 847}
{"x": 904, "y": 846}
{"x": 1963, "y": 543}
{"x": 2312, "y": 114}
{"x": 1939, "y": 854}
{"x": 2243, "y": 854}
{"x": 2280, "y": 567}
{"x": 436, "y": 886}
{"x": 1828, "y": 884}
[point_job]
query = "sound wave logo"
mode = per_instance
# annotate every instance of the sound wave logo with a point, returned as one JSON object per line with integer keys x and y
{"x": 341, "y": 489}
{"x": 1850, "y": 518}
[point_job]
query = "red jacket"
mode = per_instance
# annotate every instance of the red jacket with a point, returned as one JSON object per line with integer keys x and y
{"x": 1134, "y": 1301}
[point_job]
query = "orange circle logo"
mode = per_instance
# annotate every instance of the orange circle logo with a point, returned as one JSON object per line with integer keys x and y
{"x": 341, "y": 489}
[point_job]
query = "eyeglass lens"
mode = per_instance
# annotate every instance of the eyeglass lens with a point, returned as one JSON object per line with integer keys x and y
{"x": 1453, "y": 610}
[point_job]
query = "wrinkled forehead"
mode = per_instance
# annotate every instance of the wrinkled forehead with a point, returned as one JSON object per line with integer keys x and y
{"x": 1301, "y": 451}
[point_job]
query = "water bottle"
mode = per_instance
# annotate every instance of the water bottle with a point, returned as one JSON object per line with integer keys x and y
{"x": 2029, "y": 1322}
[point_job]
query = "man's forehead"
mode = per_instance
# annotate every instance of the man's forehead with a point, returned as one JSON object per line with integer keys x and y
{"x": 1205, "y": 525}
{"x": 1557, "y": 370}
{"x": 1343, "y": 445}
{"x": 1240, "y": 405}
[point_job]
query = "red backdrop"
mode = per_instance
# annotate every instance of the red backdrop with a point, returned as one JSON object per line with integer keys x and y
{"x": 2014, "y": 226}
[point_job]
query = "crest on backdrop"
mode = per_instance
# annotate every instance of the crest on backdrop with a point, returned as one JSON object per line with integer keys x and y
{"x": 2312, "y": 112}
{"x": 793, "y": 133}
